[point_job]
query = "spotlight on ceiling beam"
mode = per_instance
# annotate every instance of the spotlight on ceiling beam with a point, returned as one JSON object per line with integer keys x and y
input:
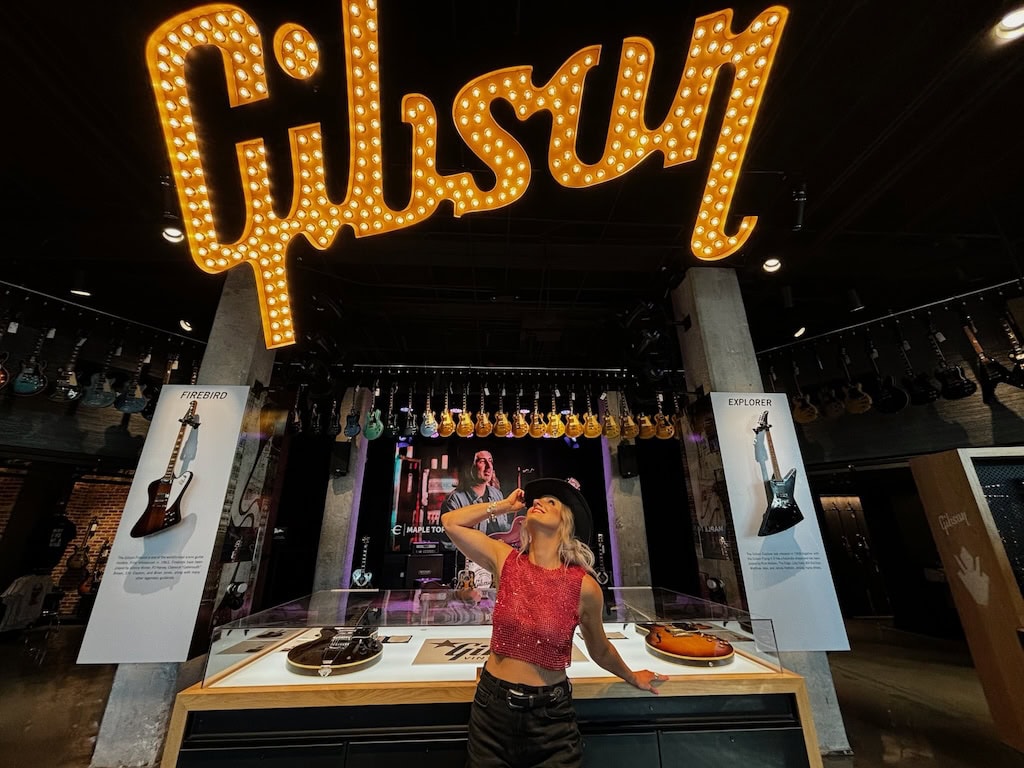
{"x": 171, "y": 228}
{"x": 800, "y": 200}
{"x": 799, "y": 332}
{"x": 853, "y": 302}
{"x": 185, "y": 325}
{"x": 78, "y": 285}
{"x": 772, "y": 265}
{"x": 1011, "y": 26}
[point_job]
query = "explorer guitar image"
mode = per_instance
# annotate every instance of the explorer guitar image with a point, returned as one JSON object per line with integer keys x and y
{"x": 782, "y": 512}
{"x": 164, "y": 508}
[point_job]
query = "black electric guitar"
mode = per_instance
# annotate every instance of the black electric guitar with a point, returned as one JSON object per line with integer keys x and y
{"x": 601, "y": 574}
{"x": 989, "y": 371}
{"x": 1016, "y": 377}
{"x": 152, "y": 392}
{"x": 334, "y": 419}
{"x": 411, "y": 424}
{"x": 886, "y": 396}
{"x": 164, "y": 508}
{"x": 804, "y": 411}
{"x": 918, "y": 386}
{"x": 362, "y": 577}
{"x": 391, "y": 428}
{"x": 337, "y": 650}
{"x": 855, "y": 399}
{"x": 782, "y": 512}
{"x": 78, "y": 560}
{"x": 99, "y": 393}
{"x": 953, "y": 382}
{"x": 296, "y": 422}
{"x": 829, "y": 402}
{"x": 131, "y": 398}
{"x": 352, "y": 428}
{"x": 32, "y": 380}
{"x": 66, "y": 388}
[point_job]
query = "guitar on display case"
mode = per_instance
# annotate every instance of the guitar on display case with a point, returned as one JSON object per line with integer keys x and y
{"x": 610, "y": 427}
{"x": 573, "y": 425}
{"x": 918, "y": 386}
{"x": 32, "y": 380}
{"x": 537, "y": 425}
{"x": 953, "y": 382}
{"x": 411, "y": 425}
{"x": 362, "y": 577}
{"x": 591, "y": 423}
{"x": 782, "y": 512}
{"x": 337, "y": 650}
{"x": 98, "y": 393}
{"x": 601, "y": 574}
{"x": 829, "y": 402}
{"x": 663, "y": 429}
{"x": 164, "y": 508}
{"x": 1016, "y": 377}
{"x": 804, "y": 411}
{"x": 130, "y": 399}
{"x": 153, "y": 393}
{"x": 502, "y": 425}
{"x": 373, "y": 427}
{"x": 520, "y": 426}
{"x": 886, "y": 396}
{"x": 556, "y": 427}
{"x": 447, "y": 426}
{"x": 66, "y": 388}
{"x": 465, "y": 426}
{"x": 428, "y": 423}
{"x": 855, "y": 399}
{"x": 391, "y": 422}
{"x": 989, "y": 371}
{"x": 483, "y": 426}
{"x": 352, "y": 428}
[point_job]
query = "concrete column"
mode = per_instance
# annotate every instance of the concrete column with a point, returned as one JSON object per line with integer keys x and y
{"x": 341, "y": 509}
{"x": 135, "y": 720}
{"x": 627, "y": 546}
{"x": 718, "y": 353}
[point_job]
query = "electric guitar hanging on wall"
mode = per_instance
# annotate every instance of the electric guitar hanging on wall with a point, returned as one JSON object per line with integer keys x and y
{"x": 428, "y": 424}
{"x": 1016, "y": 377}
{"x": 573, "y": 424}
{"x": 782, "y": 512}
{"x": 591, "y": 423}
{"x": 502, "y": 426}
{"x": 411, "y": 425}
{"x": 989, "y": 371}
{"x": 663, "y": 429}
{"x": 886, "y": 396}
{"x": 520, "y": 426}
{"x": 164, "y": 508}
{"x": 131, "y": 399}
{"x": 804, "y": 411}
{"x": 31, "y": 380}
{"x": 602, "y": 573}
{"x": 537, "y": 425}
{"x": 610, "y": 427}
{"x": 373, "y": 427}
{"x": 391, "y": 422}
{"x": 483, "y": 426}
{"x": 153, "y": 392}
{"x": 556, "y": 427}
{"x": 953, "y": 383}
{"x": 447, "y": 426}
{"x": 465, "y": 426}
{"x": 918, "y": 386}
{"x": 66, "y": 389}
{"x": 99, "y": 393}
{"x": 362, "y": 577}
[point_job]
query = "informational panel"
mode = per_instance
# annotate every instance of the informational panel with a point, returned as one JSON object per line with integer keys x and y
{"x": 781, "y": 552}
{"x": 147, "y": 602}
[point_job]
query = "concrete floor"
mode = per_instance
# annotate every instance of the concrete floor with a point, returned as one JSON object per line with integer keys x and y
{"x": 906, "y": 700}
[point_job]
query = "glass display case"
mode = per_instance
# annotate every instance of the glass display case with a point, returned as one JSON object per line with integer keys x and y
{"x": 354, "y": 678}
{"x": 406, "y": 636}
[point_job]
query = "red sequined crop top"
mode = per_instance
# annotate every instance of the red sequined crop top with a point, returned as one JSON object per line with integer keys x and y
{"x": 536, "y": 612}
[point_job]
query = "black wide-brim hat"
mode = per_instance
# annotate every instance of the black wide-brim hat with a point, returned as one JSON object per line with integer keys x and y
{"x": 569, "y": 495}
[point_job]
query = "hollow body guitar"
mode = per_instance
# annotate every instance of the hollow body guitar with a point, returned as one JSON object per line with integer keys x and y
{"x": 685, "y": 643}
{"x": 164, "y": 508}
{"x": 337, "y": 650}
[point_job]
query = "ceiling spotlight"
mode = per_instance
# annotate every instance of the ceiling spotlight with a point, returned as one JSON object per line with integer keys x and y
{"x": 853, "y": 301}
{"x": 185, "y": 325}
{"x": 799, "y": 332}
{"x": 800, "y": 199}
{"x": 78, "y": 287}
{"x": 171, "y": 230}
{"x": 1011, "y": 26}
{"x": 772, "y": 265}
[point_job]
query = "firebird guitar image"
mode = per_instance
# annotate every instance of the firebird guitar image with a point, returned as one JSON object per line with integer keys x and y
{"x": 782, "y": 512}
{"x": 164, "y": 508}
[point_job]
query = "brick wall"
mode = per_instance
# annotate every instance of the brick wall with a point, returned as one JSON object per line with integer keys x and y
{"x": 10, "y": 486}
{"x": 93, "y": 498}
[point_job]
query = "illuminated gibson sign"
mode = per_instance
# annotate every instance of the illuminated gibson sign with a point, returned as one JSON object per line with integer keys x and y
{"x": 315, "y": 216}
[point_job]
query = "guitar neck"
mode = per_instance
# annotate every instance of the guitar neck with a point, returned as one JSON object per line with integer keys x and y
{"x": 972, "y": 337}
{"x": 172, "y": 463}
{"x": 776, "y": 474}
{"x": 1018, "y": 351}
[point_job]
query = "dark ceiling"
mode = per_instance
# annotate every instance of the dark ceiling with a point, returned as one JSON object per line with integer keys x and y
{"x": 899, "y": 118}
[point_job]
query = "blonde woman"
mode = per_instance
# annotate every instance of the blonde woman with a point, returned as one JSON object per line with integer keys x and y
{"x": 522, "y": 713}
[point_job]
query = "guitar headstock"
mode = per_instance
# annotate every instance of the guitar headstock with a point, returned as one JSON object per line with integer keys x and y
{"x": 762, "y": 424}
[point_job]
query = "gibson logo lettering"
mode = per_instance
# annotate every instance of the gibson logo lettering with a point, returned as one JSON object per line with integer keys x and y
{"x": 314, "y": 215}
{"x": 949, "y": 521}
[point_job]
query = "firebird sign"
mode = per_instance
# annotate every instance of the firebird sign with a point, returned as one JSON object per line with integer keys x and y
{"x": 315, "y": 216}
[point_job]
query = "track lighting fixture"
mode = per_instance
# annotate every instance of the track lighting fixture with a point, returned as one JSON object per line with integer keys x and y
{"x": 78, "y": 285}
{"x": 800, "y": 200}
{"x": 771, "y": 265}
{"x": 853, "y": 302}
{"x": 172, "y": 229}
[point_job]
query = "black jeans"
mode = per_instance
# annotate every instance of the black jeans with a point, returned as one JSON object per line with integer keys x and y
{"x": 523, "y": 726}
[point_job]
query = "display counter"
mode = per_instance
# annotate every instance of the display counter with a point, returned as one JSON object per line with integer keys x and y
{"x": 367, "y": 678}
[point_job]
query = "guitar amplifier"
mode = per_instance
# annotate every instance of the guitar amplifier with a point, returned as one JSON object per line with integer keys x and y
{"x": 426, "y": 547}
{"x": 421, "y": 570}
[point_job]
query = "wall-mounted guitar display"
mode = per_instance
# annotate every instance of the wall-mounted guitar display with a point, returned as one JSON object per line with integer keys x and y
{"x": 610, "y": 427}
{"x": 483, "y": 425}
{"x": 411, "y": 423}
{"x": 804, "y": 411}
{"x": 573, "y": 424}
{"x": 130, "y": 399}
{"x": 592, "y": 426}
{"x": 502, "y": 425}
{"x": 782, "y": 512}
{"x": 465, "y": 426}
{"x": 447, "y": 426}
{"x": 953, "y": 382}
{"x": 555, "y": 427}
{"x": 663, "y": 429}
{"x": 66, "y": 388}
{"x": 391, "y": 428}
{"x": 886, "y": 396}
{"x": 538, "y": 427}
{"x": 989, "y": 371}
{"x": 918, "y": 386}
{"x": 1016, "y": 377}
{"x": 373, "y": 427}
{"x": 855, "y": 399}
{"x": 830, "y": 404}
{"x": 628, "y": 427}
{"x": 152, "y": 392}
{"x": 520, "y": 426}
{"x": 428, "y": 424}
{"x": 602, "y": 573}
{"x": 31, "y": 379}
{"x": 165, "y": 493}
{"x": 362, "y": 577}
{"x": 99, "y": 393}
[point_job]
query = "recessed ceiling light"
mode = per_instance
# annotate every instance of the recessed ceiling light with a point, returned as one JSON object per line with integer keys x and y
{"x": 772, "y": 265}
{"x": 1011, "y": 26}
{"x": 185, "y": 325}
{"x": 799, "y": 332}
{"x": 172, "y": 234}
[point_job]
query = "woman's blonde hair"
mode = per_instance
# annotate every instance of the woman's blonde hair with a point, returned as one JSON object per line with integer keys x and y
{"x": 571, "y": 550}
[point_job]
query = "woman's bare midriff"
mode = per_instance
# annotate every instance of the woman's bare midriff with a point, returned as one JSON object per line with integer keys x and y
{"x": 516, "y": 671}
